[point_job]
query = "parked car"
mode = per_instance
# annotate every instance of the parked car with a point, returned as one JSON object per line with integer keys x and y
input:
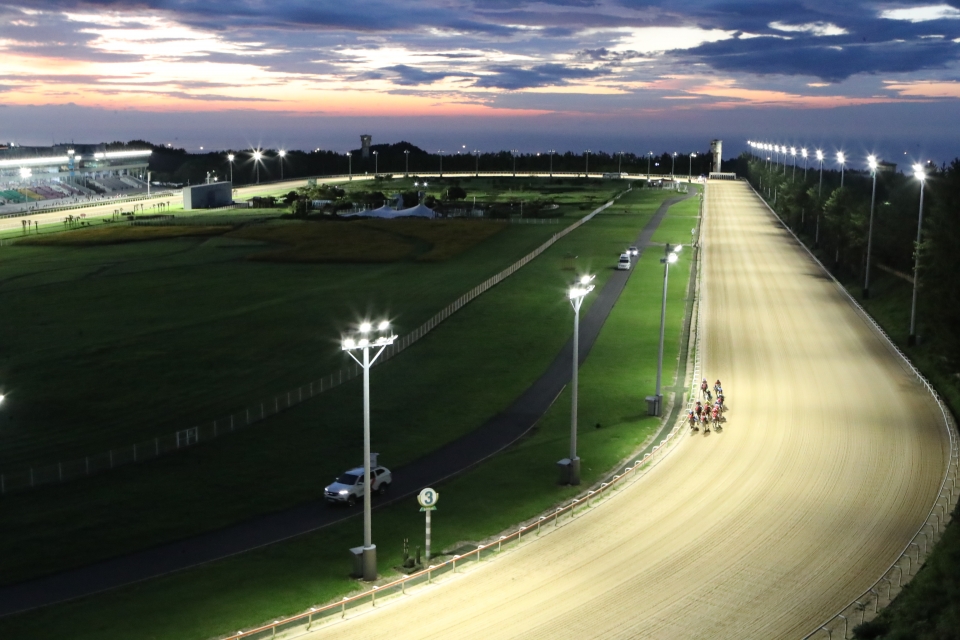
{"x": 633, "y": 251}
{"x": 348, "y": 488}
{"x": 624, "y": 262}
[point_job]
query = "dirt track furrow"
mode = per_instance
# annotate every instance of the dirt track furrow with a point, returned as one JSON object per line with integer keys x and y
{"x": 828, "y": 464}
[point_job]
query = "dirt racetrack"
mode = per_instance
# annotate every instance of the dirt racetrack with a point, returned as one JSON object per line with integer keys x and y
{"x": 828, "y": 464}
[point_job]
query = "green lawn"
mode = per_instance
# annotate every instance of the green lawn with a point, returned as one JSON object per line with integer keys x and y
{"x": 142, "y": 339}
{"x": 289, "y": 577}
{"x": 472, "y": 366}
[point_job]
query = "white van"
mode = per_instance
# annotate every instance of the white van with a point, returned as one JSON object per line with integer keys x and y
{"x": 624, "y": 262}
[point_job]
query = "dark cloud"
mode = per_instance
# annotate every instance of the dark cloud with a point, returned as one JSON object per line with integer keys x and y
{"x": 407, "y": 75}
{"x": 505, "y": 77}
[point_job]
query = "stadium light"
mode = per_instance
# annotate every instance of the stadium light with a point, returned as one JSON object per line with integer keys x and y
{"x": 842, "y": 160}
{"x": 793, "y": 152}
{"x": 918, "y": 171}
{"x": 349, "y": 165}
{"x": 230, "y": 158}
{"x": 256, "y": 161}
{"x": 376, "y": 161}
{"x": 406, "y": 162}
{"x": 670, "y": 257}
{"x": 803, "y": 152}
{"x": 282, "y": 154}
{"x": 578, "y": 291}
{"x": 26, "y": 172}
{"x": 872, "y": 163}
{"x": 34, "y": 162}
{"x": 364, "y": 341}
{"x": 586, "y": 167}
{"x": 551, "y": 152}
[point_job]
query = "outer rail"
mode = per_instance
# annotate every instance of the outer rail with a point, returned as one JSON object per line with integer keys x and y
{"x": 939, "y": 511}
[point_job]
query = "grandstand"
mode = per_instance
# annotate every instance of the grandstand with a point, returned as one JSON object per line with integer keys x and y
{"x": 33, "y": 177}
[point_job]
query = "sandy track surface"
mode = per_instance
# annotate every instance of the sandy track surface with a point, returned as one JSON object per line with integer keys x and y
{"x": 829, "y": 462}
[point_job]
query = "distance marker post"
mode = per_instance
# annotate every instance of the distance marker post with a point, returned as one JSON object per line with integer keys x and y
{"x": 428, "y": 502}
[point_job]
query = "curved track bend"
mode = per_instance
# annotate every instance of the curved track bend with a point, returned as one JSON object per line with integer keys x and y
{"x": 829, "y": 462}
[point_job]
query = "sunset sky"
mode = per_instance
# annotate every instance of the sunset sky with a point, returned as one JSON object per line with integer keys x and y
{"x": 488, "y": 74}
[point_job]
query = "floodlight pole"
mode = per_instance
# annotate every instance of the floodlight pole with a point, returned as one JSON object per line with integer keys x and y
{"x": 476, "y": 152}
{"x": 406, "y": 162}
{"x": 376, "y": 163}
{"x": 440, "y": 153}
{"x": 912, "y": 338}
{"x": 649, "y": 157}
{"x": 665, "y": 261}
{"x": 586, "y": 167}
{"x": 873, "y": 198}
{"x": 349, "y": 165}
{"x": 369, "y": 557}
{"x": 576, "y": 295}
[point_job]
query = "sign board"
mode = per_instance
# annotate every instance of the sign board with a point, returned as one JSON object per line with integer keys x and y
{"x": 428, "y": 498}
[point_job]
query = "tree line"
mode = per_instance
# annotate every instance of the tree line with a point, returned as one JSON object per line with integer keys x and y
{"x": 834, "y": 220}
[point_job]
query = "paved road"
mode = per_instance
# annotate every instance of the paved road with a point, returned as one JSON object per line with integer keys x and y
{"x": 829, "y": 462}
{"x": 496, "y": 434}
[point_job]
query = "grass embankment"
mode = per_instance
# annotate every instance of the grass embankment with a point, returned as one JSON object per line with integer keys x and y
{"x": 475, "y": 365}
{"x": 117, "y": 234}
{"x": 142, "y": 339}
{"x": 290, "y": 576}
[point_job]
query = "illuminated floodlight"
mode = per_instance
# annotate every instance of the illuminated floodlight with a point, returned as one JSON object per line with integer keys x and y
{"x": 803, "y": 152}
{"x": 26, "y": 172}
{"x": 872, "y": 162}
{"x": 70, "y": 152}
{"x": 793, "y": 151}
{"x": 363, "y": 342}
{"x": 33, "y": 162}
{"x": 349, "y": 343}
{"x": 230, "y": 157}
{"x": 586, "y": 279}
{"x": 918, "y": 171}
{"x": 819, "y": 155}
{"x": 257, "y": 155}
{"x": 677, "y": 248}
{"x": 384, "y": 325}
{"x": 841, "y": 158}
{"x": 112, "y": 155}
{"x": 365, "y": 327}
{"x": 673, "y": 257}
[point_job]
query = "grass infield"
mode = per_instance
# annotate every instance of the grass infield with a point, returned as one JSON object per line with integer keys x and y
{"x": 289, "y": 577}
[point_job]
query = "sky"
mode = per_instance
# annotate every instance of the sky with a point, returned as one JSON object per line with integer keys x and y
{"x": 454, "y": 75}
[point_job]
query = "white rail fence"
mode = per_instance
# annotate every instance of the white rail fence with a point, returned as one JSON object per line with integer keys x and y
{"x": 29, "y": 477}
{"x": 634, "y": 470}
{"x": 922, "y": 542}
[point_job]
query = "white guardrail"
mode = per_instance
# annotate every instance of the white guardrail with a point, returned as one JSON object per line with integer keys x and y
{"x": 28, "y": 477}
{"x": 937, "y": 516}
{"x": 304, "y": 622}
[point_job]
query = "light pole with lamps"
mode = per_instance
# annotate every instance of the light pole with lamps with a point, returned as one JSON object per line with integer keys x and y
{"x": 793, "y": 152}
{"x": 803, "y": 152}
{"x": 872, "y": 163}
{"x": 349, "y": 165}
{"x": 230, "y": 158}
{"x": 364, "y": 339}
{"x": 376, "y": 163}
{"x": 551, "y": 152}
{"x": 513, "y": 153}
{"x": 649, "y": 158}
{"x": 690, "y": 166}
{"x": 256, "y": 161}
{"x": 668, "y": 259}
{"x": 476, "y": 152}
{"x": 842, "y": 160}
{"x": 922, "y": 177}
{"x": 578, "y": 291}
{"x": 620, "y": 165}
{"x": 406, "y": 162}
{"x": 673, "y": 164}
{"x": 586, "y": 166}
{"x": 282, "y": 154}
{"x": 816, "y": 234}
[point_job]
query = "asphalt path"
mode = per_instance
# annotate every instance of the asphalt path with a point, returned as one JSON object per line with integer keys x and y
{"x": 829, "y": 462}
{"x": 496, "y": 434}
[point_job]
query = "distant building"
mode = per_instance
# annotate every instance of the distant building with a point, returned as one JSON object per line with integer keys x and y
{"x": 716, "y": 148}
{"x": 886, "y": 167}
{"x": 365, "y": 145}
{"x": 207, "y": 196}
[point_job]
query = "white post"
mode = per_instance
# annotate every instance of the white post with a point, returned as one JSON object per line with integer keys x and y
{"x": 428, "y": 534}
